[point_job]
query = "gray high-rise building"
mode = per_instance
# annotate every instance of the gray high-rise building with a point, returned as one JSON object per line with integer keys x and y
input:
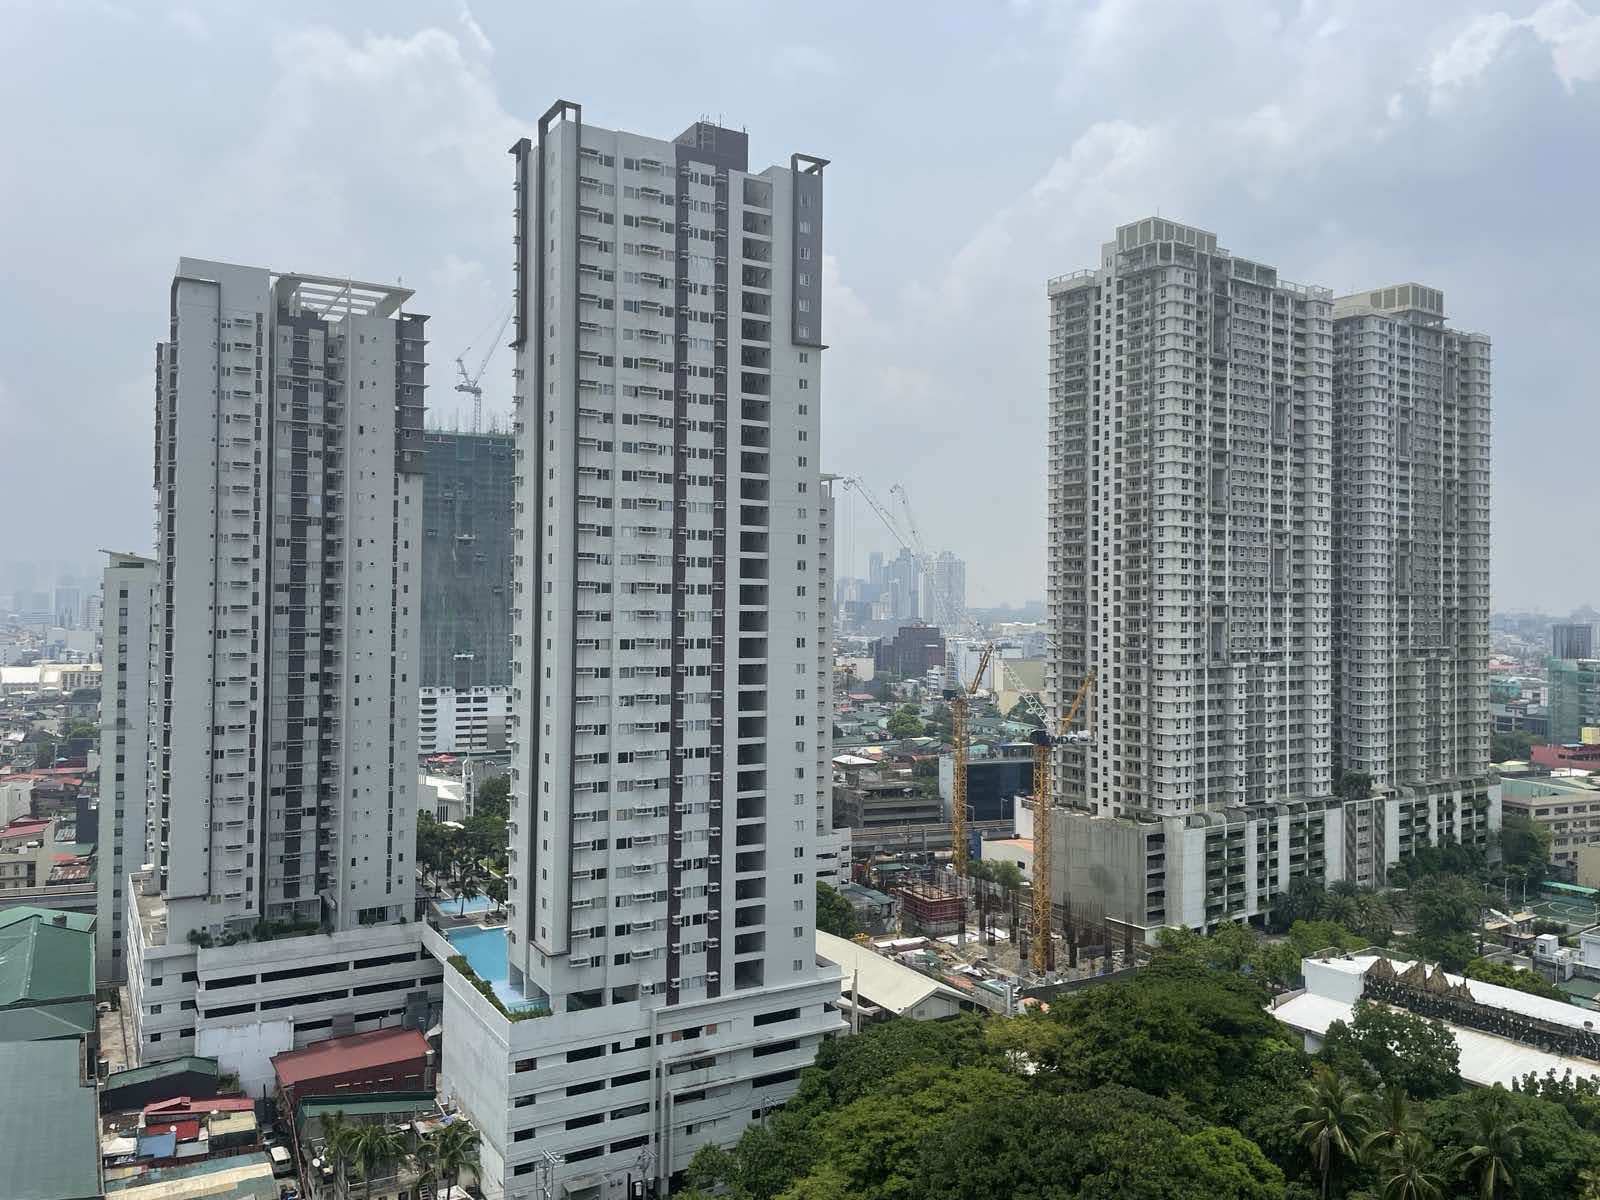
{"x": 1571, "y": 639}
{"x": 467, "y": 510}
{"x": 288, "y": 474}
{"x": 1269, "y": 549}
{"x": 1411, "y": 543}
{"x": 1190, "y": 508}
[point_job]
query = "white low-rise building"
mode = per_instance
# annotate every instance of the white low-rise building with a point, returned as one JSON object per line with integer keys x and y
{"x": 1494, "y": 1026}
{"x": 647, "y": 1081}
{"x": 462, "y": 720}
{"x": 243, "y": 1003}
{"x": 879, "y": 988}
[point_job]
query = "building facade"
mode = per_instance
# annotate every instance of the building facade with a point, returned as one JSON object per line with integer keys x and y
{"x": 463, "y": 720}
{"x": 1571, "y": 639}
{"x": 1411, "y": 543}
{"x": 667, "y": 599}
{"x": 1190, "y": 510}
{"x": 944, "y": 590}
{"x": 127, "y": 699}
{"x": 1268, "y": 530}
{"x": 914, "y": 650}
{"x": 289, "y": 412}
{"x": 1574, "y": 698}
{"x": 467, "y": 508}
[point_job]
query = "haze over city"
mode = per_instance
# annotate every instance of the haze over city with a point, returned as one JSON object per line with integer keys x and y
{"x": 982, "y": 148}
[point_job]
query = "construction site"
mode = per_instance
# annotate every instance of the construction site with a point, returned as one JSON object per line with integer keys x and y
{"x": 979, "y": 937}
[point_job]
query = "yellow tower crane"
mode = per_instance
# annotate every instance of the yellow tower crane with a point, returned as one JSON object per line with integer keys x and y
{"x": 958, "y": 783}
{"x": 1043, "y": 948}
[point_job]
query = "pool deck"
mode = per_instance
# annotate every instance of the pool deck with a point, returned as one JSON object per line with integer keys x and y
{"x": 484, "y": 948}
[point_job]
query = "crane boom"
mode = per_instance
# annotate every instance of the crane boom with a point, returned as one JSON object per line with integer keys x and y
{"x": 469, "y": 381}
{"x": 1043, "y": 948}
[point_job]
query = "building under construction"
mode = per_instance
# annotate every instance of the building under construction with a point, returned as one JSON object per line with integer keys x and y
{"x": 930, "y": 910}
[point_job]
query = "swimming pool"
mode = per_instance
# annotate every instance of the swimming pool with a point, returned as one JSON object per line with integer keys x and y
{"x": 454, "y": 906}
{"x": 485, "y": 952}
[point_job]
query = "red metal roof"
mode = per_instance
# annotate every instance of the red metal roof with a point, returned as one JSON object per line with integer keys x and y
{"x": 182, "y": 1106}
{"x": 187, "y": 1131}
{"x": 336, "y": 1056}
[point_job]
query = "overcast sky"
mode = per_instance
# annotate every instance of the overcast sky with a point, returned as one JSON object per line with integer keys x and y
{"x": 977, "y": 148}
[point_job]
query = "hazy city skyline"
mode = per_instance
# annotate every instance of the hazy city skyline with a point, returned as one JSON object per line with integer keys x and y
{"x": 372, "y": 140}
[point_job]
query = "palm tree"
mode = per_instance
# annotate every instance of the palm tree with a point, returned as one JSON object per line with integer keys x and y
{"x": 375, "y": 1147}
{"x": 1331, "y": 1121}
{"x": 1498, "y": 1147}
{"x": 338, "y": 1142}
{"x": 466, "y": 879}
{"x": 446, "y": 1152}
{"x": 496, "y": 890}
{"x": 1395, "y": 1120}
{"x": 1410, "y": 1171}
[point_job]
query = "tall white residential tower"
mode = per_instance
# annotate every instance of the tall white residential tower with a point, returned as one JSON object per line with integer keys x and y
{"x": 127, "y": 698}
{"x": 669, "y": 600}
{"x": 1191, "y": 505}
{"x": 288, "y": 451}
{"x": 1411, "y": 554}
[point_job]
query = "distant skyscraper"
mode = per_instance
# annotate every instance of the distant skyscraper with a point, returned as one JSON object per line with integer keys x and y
{"x": 69, "y": 606}
{"x": 467, "y": 507}
{"x": 1411, "y": 543}
{"x": 1571, "y": 639}
{"x": 127, "y": 699}
{"x": 902, "y": 588}
{"x": 944, "y": 592}
{"x": 875, "y": 568}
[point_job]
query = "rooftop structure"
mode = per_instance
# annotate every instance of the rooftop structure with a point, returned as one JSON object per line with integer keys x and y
{"x": 49, "y": 1122}
{"x": 385, "y": 1060}
{"x": 46, "y": 974}
{"x": 1499, "y": 1030}
{"x": 878, "y": 987}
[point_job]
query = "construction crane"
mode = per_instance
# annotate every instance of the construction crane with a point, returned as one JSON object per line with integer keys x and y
{"x": 469, "y": 382}
{"x": 1043, "y": 847}
{"x": 958, "y": 780}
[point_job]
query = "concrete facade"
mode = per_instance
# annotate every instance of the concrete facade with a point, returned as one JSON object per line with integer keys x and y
{"x": 463, "y": 720}
{"x": 127, "y": 701}
{"x": 668, "y": 595}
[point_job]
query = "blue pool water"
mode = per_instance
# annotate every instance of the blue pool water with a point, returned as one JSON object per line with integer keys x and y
{"x": 456, "y": 907}
{"x": 485, "y": 952}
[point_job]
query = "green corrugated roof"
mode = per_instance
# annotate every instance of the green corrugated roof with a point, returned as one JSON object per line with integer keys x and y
{"x": 264, "y": 1187}
{"x": 162, "y": 1070}
{"x": 36, "y": 1023}
{"x": 52, "y": 1142}
{"x": 42, "y": 962}
{"x": 370, "y": 1105}
{"x": 82, "y": 922}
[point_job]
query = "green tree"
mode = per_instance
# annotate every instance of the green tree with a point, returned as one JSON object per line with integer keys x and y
{"x": 466, "y": 878}
{"x": 1354, "y": 785}
{"x": 1554, "y": 1150}
{"x": 1506, "y": 975}
{"x": 496, "y": 889}
{"x": 1410, "y": 1170}
{"x": 1491, "y": 1161}
{"x": 1525, "y": 846}
{"x": 1332, "y": 1122}
{"x": 1512, "y": 747}
{"x": 904, "y": 722}
{"x": 1302, "y": 901}
{"x": 1394, "y": 1047}
{"x": 445, "y": 1153}
{"x": 1393, "y": 1119}
{"x": 493, "y": 797}
{"x": 834, "y": 914}
{"x": 1445, "y": 911}
{"x": 1104, "y": 1143}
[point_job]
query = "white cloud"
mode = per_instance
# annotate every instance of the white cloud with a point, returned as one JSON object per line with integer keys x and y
{"x": 1563, "y": 26}
{"x": 1574, "y": 40}
{"x": 475, "y": 33}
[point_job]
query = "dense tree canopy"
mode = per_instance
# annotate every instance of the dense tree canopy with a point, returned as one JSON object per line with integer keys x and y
{"x": 1172, "y": 1085}
{"x": 834, "y": 914}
